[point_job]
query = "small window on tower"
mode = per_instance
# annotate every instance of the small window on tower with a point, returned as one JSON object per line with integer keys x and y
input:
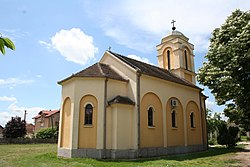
{"x": 186, "y": 60}
{"x": 168, "y": 57}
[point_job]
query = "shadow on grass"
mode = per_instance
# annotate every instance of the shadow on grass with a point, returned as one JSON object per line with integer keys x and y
{"x": 212, "y": 151}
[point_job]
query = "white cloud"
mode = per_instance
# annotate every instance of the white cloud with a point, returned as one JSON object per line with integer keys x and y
{"x": 5, "y": 98}
{"x": 145, "y": 22}
{"x": 14, "y": 82}
{"x": 5, "y": 117}
{"x": 142, "y": 59}
{"x": 74, "y": 45}
{"x": 47, "y": 45}
{"x": 16, "y": 110}
{"x": 210, "y": 105}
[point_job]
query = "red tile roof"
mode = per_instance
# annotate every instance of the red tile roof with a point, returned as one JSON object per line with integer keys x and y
{"x": 47, "y": 113}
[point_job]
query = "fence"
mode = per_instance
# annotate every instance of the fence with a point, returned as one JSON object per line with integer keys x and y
{"x": 26, "y": 141}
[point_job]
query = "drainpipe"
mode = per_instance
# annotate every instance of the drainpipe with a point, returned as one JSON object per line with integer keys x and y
{"x": 202, "y": 121}
{"x": 138, "y": 88}
{"x": 104, "y": 117}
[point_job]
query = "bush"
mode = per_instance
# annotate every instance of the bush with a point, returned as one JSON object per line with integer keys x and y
{"x": 212, "y": 141}
{"x": 228, "y": 135}
{"x": 47, "y": 133}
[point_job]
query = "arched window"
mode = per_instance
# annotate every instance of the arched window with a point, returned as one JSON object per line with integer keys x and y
{"x": 88, "y": 114}
{"x": 185, "y": 59}
{"x": 168, "y": 57}
{"x": 173, "y": 115}
{"x": 192, "y": 120}
{"x": 150, "y": 116}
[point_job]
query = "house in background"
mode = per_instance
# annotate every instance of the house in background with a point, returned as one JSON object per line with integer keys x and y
{"x": 30, "y": 129}
{"x": 124, "y": 108}
{"x": 47, "y": 119}
{"x": 1, "y": 132}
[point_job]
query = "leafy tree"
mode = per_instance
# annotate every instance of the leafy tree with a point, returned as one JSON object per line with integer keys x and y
{"x": 214, "y": 122}
{"x": 47, "y": 133}
{"x": 227, "y": 71}
{"x": 15, "y": 128}
{"x": 5, "y": 42}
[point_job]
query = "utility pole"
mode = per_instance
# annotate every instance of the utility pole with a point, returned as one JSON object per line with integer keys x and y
{"x": 25, "y": 113}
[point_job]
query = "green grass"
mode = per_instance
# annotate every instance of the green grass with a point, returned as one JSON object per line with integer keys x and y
{"x": 44, "y": 155}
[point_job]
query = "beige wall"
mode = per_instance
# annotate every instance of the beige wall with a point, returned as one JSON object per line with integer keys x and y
{"x": 65, "y": 125}
{"x": 87, "y": 133}
{"x": 126, "y": 72}
{"x": 194, "y": 134}
{"x": 175, "y": 135}
{"x": 165, "y": 90}
{"x": 119, "y": 127}
{"x": 151, "y": 136}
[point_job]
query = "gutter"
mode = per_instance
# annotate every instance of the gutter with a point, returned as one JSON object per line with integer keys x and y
{"x": 138, "y": 105}
{"x": 104, "y": 117}
{"x": 202, "y": 121}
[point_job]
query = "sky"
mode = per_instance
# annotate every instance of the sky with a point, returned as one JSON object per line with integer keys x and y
{"x": 56, "y": 38}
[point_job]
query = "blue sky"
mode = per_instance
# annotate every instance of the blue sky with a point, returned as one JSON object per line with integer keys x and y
{"x": 56, "y": 38}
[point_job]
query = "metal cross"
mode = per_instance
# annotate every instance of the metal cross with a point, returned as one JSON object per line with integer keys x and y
{"x": 173, "y": 28}
{"x": 173, "y": 21}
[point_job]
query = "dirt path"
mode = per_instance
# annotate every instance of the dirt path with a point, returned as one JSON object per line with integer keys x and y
{"x": 244, "y": 156}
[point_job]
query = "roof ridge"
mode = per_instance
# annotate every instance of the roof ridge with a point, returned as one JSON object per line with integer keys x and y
{"x": 100, "y": 68}
{"x": 155, "y": 69}
{"x": 122, "y": 57}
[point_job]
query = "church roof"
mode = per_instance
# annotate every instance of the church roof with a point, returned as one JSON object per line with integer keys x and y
{"x": 154, "y": 71}
{"x": 121, "y": 100}
{"x": 97, "y": 70}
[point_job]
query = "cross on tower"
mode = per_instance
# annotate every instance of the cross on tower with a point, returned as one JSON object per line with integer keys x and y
{"x": 173, "y": 28}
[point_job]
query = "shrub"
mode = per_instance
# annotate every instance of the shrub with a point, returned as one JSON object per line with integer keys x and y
{"x": 46, "y": 133}
{"x": 228, "y": 135}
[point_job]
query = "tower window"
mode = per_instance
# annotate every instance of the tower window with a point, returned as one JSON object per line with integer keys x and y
{"x": 186, "y": 60}
{"x": 192, "y": 120}
{"x": 150, "y": 117}
{"x": 168, "y": 57}
{"x": 88, "y": 114}
{"x": 173, "y": 115}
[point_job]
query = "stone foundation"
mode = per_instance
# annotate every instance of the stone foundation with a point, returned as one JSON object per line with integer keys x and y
{"x": 127, "y": 154}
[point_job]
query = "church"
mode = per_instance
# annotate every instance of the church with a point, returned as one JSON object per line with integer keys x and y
{"x": 123, "y": 108}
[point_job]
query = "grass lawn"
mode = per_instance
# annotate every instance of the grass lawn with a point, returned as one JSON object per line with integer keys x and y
{"x": 45, "y": 155}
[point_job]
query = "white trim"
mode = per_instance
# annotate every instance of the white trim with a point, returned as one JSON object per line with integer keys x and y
{"x": 85, "y": 104}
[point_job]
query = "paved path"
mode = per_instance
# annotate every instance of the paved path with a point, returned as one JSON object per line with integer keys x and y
{"x": 244, "y": 156}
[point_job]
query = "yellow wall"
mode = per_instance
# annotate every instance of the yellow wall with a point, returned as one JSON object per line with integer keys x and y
{"x": 121, "y": 126}
{"x": 151, "y": 136}
{"x": 194, "y": 134}
{"x": 175, "y": 136}
{"x": 114, "y": 87}
{"x": 87, "y": 133}
{"x": 188, "y": 77}
{"x": 65, "y": 125}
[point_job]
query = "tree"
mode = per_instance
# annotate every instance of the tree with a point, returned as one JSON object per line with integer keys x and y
{"x": 227, "y": 71}
{"x": 15, "y": 128}
{"x": 5, "y": 42}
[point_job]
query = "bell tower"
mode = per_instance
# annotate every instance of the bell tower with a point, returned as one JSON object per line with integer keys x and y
{"x": 175, "y": 54}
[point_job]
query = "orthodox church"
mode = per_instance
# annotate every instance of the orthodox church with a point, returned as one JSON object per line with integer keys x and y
{"x": 124, "y": 108}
